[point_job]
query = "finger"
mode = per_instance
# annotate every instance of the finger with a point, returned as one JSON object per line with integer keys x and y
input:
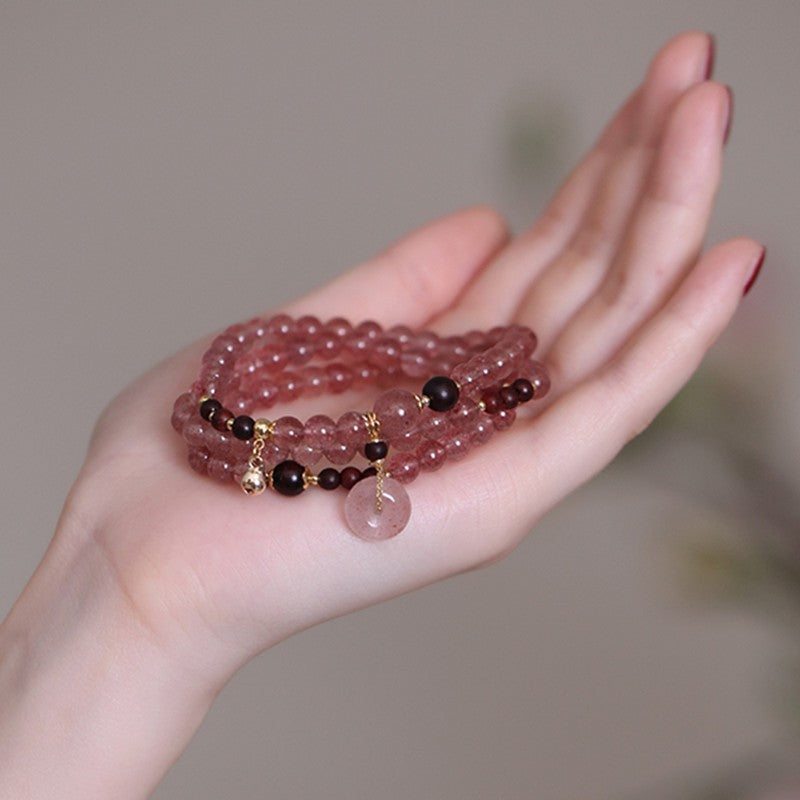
{"x": 584, "y": 429}
{"x": 592, "y": 205}
{"x": 417, "y": 277}
{"x": 663, "y": 240}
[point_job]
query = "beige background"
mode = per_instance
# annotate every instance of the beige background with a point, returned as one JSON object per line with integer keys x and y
{"x": 170, "y": 167}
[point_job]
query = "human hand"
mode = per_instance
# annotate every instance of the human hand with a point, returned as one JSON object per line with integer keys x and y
{"x": 612, "y": 280}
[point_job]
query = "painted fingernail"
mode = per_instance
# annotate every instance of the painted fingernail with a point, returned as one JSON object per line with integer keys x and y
{"x": 754, "y": 274}
{"x": 729, "y": 123}
{"x": 712, "y": 50}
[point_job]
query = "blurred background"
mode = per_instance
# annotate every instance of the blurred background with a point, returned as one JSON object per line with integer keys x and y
{"x": 171, "y": 167}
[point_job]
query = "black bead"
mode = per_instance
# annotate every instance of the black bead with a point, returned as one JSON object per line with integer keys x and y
{"x": 208, "y": 407}
{"x": 442, "y": 393}
{"x": 329, "y": 478}
{"x": 243, "y": 427}
{"x": 350, "y": 476}
{"x": 375, "y": 451}
{"x": 508, "y": 397}
{"x": 368, "y": 472}
{"x": 288, "y": 478}
{"x": 524, "y": 389}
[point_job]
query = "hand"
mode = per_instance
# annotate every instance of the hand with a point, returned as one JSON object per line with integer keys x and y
{"x": 612, "y": 280}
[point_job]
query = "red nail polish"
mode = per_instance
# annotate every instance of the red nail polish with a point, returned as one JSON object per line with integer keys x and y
{"x": 711, "y": 57}
{"x": 729, "y": 123}
{"x": 754, "y": 273}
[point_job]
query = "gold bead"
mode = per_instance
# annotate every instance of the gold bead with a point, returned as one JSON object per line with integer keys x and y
{"x": 263, "y": 428}
{"x": 253, "y": 481}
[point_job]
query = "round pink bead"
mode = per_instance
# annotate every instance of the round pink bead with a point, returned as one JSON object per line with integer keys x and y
{"x": 503, "y": 419}
{"x": 458, "y": 445}
{"x": 351, "y": 430}
{"x": 398, "y": 412}
{"x": 362, "y": 516}
{"x": 340, "y": 377}
{"x": 287, "y": 434}
{"x": 482, "y": 430}
{"x": 194, "y": 432}
{"x": 431, "y": 455}
{"x": 318, "y": 435}
{"x": 404, "y": 467}
{"x": 198, "y": 460}
{"x": 220, "y": 468}
{"x": 536, "y": 373}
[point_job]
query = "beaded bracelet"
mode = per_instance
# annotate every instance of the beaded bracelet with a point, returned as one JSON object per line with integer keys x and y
{"x": 477, "y": 381}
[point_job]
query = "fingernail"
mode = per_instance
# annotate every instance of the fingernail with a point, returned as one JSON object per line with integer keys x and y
{"x": 754, "y": 273}
{"x": 729, "y": 123}
{"x": 712, "y": 50}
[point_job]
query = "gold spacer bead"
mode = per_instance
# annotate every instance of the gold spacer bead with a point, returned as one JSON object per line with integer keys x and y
{"x": 229, "y": 423}
{"x": 263, "y": 428}
{"x": 423, "y": 401}
{"x": 310, "y": 479}
{"x": 481, "y": 405}
{"x": 203, "y": 399}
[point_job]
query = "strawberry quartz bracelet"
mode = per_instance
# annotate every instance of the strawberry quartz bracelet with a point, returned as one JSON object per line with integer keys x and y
{"x": 471, "y": 385}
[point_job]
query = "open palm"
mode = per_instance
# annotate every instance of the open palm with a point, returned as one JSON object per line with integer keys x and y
{"x": 612, "y": 280}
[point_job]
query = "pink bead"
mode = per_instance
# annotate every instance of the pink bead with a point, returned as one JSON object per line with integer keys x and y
{"x": 385, "y": 353}
{"x": 398, "y": 412}
{"x": 340, "y": 377}
{"x": 308, "y": 326}
{"x": 318, "y": 435}
{"x": 365, "y": 373}
{"x": 338, "y": 327}
{"x": 465, "y": 414}
{"x": 315, "y": 382}
{"x": 184, "y": 408}
{"x": 280, "y": 325}
{"x": 351, "y": 429}
{"x": 404, "y": 467}
{"x": 402, "y": 334}
{"x": 431, "y": 455}
{"x": 265, "y": 392}
{"x": 287, "y": 434}
{"x": 458, "y": 445}
{"x": 362, "y": 516}
{"x": 503, "y": 419}
{"x": 415, "y": 363}
{"x": 360, "y": 342}
{"x": 482, "y": 430}
{"x": 537, "y": 374}
{"x": 220, "y": 468}
{"x": 339, "y": 452}
{"x": 194, "y": 432}
{"x": 198, "y": 460}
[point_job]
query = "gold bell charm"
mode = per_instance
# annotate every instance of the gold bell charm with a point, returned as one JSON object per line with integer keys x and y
{"x": 253, "y": 481}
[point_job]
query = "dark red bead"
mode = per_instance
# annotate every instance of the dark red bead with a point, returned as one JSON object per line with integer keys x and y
{"x": 508, "y": 397}
{"x": 349, "y": 477}
{"x": 329, "y": 478}
{"x": 242, "y": 427}
{"x": 442, "y": 393}
{"x": 220, "y": 419}
{"x": 288, "y": 478}
{"x": 375, "y": 451}
{"x": 208, "y": 407}
{"x": 524, "y": 389}
{"x": 491, "y": 402}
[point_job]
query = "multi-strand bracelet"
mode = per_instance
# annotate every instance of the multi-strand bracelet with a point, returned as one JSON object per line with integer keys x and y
{"x": 471, "y": 387}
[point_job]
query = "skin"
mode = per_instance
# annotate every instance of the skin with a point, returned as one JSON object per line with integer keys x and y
{"x": 159, "y": 585}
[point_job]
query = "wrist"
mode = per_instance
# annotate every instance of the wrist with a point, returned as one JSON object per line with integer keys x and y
{"x": 91, "y": 704}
